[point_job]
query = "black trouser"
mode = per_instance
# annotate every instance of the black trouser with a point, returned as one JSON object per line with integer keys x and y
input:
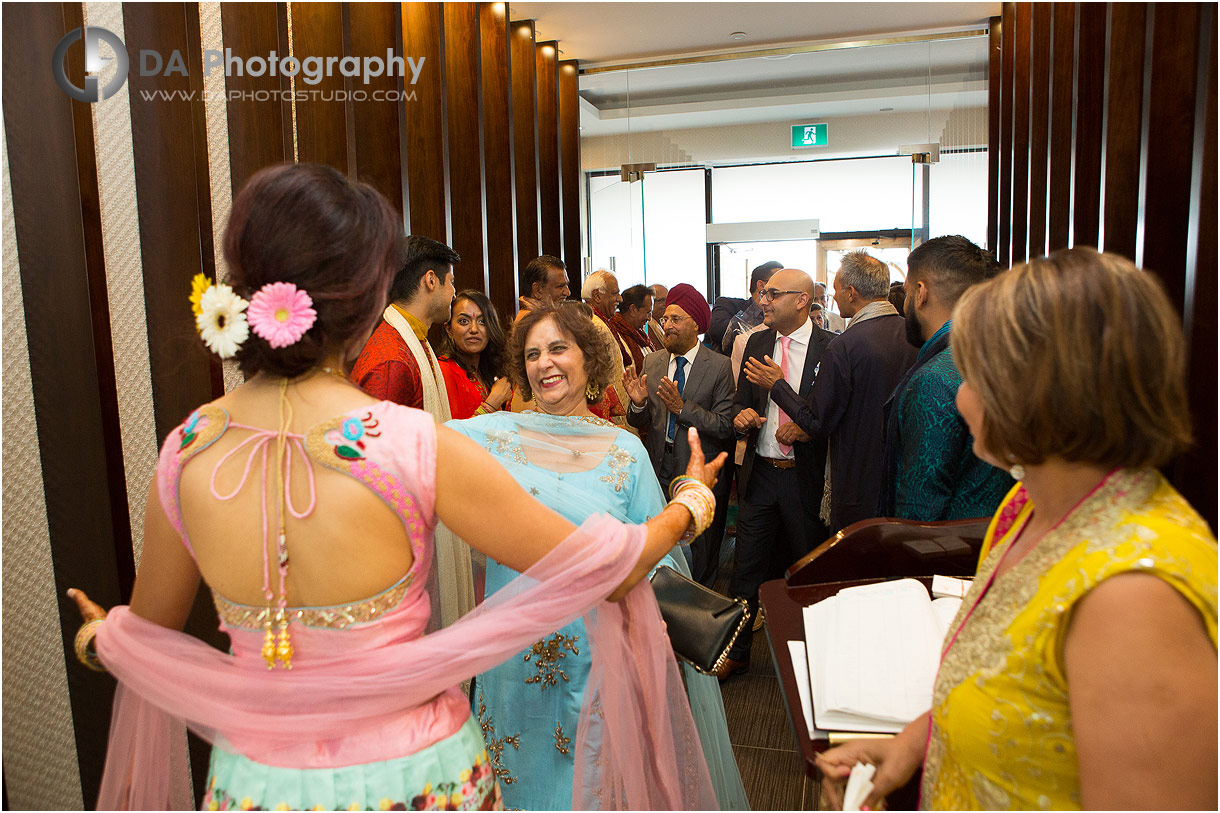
{"x": 776, "y": 525}
{"x": 705, "y": 548}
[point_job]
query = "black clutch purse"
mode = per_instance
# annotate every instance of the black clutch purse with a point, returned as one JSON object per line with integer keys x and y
{"x": 702, "y": 624}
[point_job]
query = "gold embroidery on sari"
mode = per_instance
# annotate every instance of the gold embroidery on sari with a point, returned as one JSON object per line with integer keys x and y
{"x": 621, "y": 461}
{"x": 335, "y": 616}
{"x": 495, "y": 746}
{"x": 547, "y": 655}
{"x": 562, "y": 743}
{"x": 506, "y": 446}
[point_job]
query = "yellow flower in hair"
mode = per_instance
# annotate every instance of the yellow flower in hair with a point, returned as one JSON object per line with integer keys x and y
{"x": 198, "y": 285}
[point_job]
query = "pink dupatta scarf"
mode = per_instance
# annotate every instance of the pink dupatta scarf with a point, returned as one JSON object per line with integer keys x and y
{"x": 636, "y": 743}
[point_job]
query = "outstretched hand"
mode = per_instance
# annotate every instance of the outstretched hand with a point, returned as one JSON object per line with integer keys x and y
{"x": 89, "y": 610}
{"x": 698, "y": 468}
{"x": 636, "y": 386}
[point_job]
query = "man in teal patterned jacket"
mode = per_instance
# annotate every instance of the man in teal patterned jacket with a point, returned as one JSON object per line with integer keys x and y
{"x": 931, "y": 470}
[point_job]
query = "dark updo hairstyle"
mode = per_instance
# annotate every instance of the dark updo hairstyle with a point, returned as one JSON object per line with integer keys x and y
{"x": 336, "y": 239}
{"x": 574, "y": 320}
{"x": 491, "y": 360}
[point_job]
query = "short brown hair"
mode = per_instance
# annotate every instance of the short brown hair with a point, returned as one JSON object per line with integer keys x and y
{"x": 574, "y": 320}
{"x": 1079, "y": 356}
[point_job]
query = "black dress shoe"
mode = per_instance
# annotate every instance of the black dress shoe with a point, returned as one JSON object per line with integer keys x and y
{"x": 731, "y": 667}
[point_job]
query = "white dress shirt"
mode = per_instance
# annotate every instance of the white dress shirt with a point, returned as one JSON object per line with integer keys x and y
{"x": 797, "y": 348}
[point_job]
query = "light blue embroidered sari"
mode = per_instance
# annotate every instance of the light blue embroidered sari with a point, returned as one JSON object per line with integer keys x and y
{"x": 528, "y": 706}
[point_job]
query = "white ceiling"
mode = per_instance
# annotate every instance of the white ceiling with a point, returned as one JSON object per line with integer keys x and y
{"x": 598, "y": 33}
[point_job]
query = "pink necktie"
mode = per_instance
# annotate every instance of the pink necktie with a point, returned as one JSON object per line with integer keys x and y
{"x": 784, "y": 341}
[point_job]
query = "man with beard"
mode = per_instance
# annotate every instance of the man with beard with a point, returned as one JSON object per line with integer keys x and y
{"x": 931, "y": 470}
{"x": 686, "y": 385}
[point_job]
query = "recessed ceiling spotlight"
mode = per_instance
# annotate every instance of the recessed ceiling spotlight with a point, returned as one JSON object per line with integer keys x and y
{"x": 737, "y": 35}
{"x": 887, "y": 110}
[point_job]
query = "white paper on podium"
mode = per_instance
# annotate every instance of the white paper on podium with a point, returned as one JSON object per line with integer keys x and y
{"x": 872, "y": 654}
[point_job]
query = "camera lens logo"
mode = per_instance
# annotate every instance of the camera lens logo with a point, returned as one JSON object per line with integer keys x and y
{"x": 95, "y": 63}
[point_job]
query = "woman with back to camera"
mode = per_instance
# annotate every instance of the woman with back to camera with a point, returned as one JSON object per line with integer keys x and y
{"x": 1080, "y": 671}
{"x": 472, "y": 357}
{"x": 307, "y": 508}
{"x": 581, "y": 466}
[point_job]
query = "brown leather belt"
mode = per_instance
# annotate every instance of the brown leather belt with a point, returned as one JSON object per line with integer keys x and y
{"x": 779, "y": 463}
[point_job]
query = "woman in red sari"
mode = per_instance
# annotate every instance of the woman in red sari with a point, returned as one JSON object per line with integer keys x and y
{"x": 472, "y": 357}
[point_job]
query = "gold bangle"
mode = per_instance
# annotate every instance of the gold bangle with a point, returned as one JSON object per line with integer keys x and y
{"x": 84, "y": 637}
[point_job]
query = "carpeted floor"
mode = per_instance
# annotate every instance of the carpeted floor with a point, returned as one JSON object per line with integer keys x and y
{"x": 762, "y": 738}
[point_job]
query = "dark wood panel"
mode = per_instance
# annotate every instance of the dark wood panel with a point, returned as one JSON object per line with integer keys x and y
{"x": 525, "y": 138}
{"x": 1039, "y": 126}
{"x": 425, "y": 122}
{"x": 547, "y": 67}
{"x": 498, "y": 181}
{"x": 1124, "y": 99}
{"x": 50, "y": 214}
{"x": 1090, "y": 101}
{"x": 374, "y": 27}
{"x": 1020, "y": 136}
{"x": 465, "y": 151}
{"x": 258, "y": 133}
{"x": 1008, "y": 30}
{"x": 1167, "y": 158}
{"x": 1195, "y": 472}
{"x": 569, "y": 160}
{"x": 995, "y": 57}
{"x": 1059, "y": 203}
{"x": 321, "y": 108}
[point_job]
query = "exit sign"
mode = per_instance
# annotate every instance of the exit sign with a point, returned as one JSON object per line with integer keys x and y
{"x": 808, "y": 135}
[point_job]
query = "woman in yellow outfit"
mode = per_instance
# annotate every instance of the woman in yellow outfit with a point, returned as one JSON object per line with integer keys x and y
{"x": 1080, "y": 671}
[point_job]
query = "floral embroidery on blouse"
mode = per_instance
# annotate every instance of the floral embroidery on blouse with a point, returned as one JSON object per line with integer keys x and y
{"x": 495, "y": 745}
{"x": 621, "y": 462}
{"x": 562, "y": 743}
{"x": 547, "y": 656}
{"x": 203, "y": 426}
{"x": 506, "y": 446}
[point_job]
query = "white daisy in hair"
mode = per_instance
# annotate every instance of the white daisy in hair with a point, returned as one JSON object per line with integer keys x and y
{"x": 222, "y": 320}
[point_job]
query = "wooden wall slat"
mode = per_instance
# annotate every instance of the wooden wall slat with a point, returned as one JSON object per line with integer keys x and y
{"x": 1168, "y": 156}
{"x": 1063, "y": 48}
{"x": 525, "y": 138}
{"x": 1086, "y": 150}
{"x": 498, "y": 174}
{"x": 1008, "y": 30}
{"x": 569, "y": 160}
{"x": 547, "y": 68}
{"x": 995, "y": 58}
{"x": 373, "y": 28}
{"x": 1039, "y": 126}
{"x": 317, "y": 30}
{"x": 1124, "y": 98}
{"x": 1195, "y": 472}
{"x": 425, "y": 121}
{"x": 50, "y": 209}
{"x": 1020, "y": 135}
{"x": 256, "y": 128}
{"x": 468, "y": 208}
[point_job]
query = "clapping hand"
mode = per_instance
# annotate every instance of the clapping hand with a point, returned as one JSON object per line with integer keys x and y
{"x": 501, "y": 391}
{"x": 670, "y": 396}
{"x": 697, "y": 467}
{"x": 636, "y": 386}
{"x": 746, "y": 420}
{"x": 765, "y": 373}
{"x": 789, "y": 434}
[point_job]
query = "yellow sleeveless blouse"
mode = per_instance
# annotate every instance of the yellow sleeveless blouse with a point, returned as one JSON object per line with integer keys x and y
{"x": 1000, "y": 735}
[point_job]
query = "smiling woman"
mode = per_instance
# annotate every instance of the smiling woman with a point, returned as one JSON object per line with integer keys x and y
{"x": 472, "y": 357}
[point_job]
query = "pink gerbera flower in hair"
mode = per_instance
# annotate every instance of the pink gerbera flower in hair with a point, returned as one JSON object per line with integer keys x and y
{"x": 280, "y": 313}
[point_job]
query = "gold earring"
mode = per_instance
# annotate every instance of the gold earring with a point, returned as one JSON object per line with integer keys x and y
{"x": 592, "y": 392}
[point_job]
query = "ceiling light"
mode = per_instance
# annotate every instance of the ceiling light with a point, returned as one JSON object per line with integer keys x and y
{"x": 887, "y": 110}
{"x": 737, "y": 35}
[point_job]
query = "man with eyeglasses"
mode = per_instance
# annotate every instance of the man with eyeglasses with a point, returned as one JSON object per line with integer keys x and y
{"x": 685, "y": 385}
{"x": 859, "y": 371}
{"x": 780, "y": 478}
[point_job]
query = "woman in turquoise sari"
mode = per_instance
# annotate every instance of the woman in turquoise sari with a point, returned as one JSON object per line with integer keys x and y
{"x": 579, "y": 465}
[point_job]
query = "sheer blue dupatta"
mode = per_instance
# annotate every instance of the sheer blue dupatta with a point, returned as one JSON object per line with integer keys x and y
{"x": 580, "y": 467}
